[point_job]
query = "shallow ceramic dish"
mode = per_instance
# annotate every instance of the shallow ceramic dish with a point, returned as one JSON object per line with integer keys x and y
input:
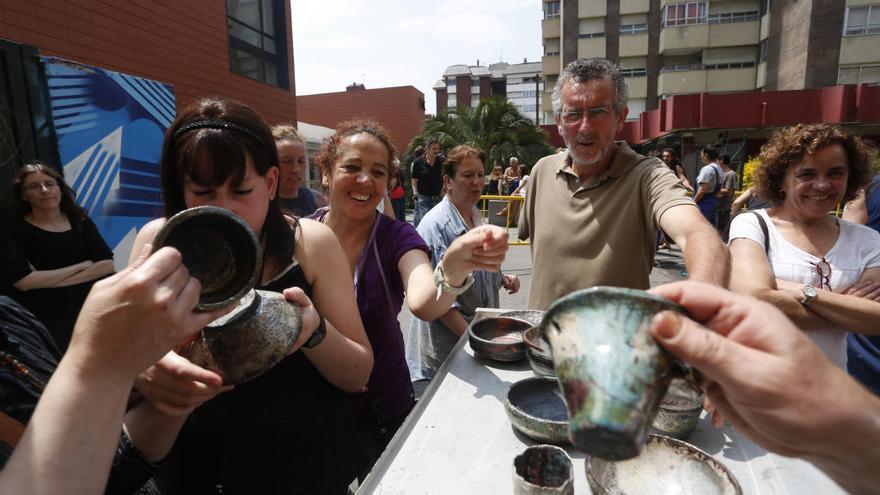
{"x": 498, "y": 338}
{"x": 532, "y": 316}
{"x": 679, "y": 411}
{"x": 536, "y": 408}
{"x": 543, "y": 470}
{"x": 218, "y": 248}
{"x": 666, "y": 465}
{"x": 538, "y": 352}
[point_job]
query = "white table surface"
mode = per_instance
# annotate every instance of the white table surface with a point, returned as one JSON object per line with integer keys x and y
{"x": 458, "y": 440}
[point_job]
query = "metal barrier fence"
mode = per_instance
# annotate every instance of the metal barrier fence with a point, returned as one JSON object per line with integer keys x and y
{"x": 509, "y": 214}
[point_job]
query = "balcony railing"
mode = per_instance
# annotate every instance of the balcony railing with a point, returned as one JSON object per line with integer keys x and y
{"x": 734, "y": 17}
{"x": 687, "y": 67}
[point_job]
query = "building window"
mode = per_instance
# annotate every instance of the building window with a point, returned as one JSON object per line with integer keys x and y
{"x": 763, "y": 48}
{"x": 257, "y": 40}
{"x": 550, "y": 53}
{"x": 753, "y": 15}
{"x": 681, "y": 14}
{"x": 862, "y": 20}
{"x": 551, "y": 10}
{"x": 591, "y": 35}
{"x": 859, "y": 74}
{"x": 729, "y": 65}
{"x": 629, "y": 29}
{"x": 633, "y": 72}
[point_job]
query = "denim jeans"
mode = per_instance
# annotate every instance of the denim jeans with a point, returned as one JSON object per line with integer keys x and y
{"x": 423, "y": 205}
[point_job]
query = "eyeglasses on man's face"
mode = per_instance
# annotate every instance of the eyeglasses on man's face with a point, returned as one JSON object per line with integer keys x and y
{"x": 595, "y": 114}
{"x": 37, "y": 186}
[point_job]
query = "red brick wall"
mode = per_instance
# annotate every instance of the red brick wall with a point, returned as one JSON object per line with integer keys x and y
{"x": 463, "y": 91}
{"x": 181, "y": 43}
{"x": 442, "y": 100}
{"x": 399, "y": 109}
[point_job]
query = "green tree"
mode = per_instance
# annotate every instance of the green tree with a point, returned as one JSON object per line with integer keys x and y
{"x": 495, "y": 126}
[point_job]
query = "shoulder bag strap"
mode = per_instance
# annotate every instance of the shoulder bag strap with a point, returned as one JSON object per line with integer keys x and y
{"x": 766, "y": 232}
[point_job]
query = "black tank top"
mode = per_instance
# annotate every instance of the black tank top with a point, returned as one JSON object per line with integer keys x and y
{"x": 286, "y": 431}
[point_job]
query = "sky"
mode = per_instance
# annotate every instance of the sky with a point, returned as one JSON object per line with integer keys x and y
{"x": 383, "y": 43}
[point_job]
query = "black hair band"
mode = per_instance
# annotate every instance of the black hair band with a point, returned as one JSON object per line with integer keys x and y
{"x": 217, "y": 124}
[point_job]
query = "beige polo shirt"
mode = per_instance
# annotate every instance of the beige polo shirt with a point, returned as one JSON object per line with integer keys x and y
{"x": 600, "y": 233}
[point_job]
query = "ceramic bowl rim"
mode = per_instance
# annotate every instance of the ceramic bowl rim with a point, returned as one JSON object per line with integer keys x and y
{"x": 195, "y": 212}
{"x": 520, "y": 411}
{"x": 703, "y": 456}
{"x": 481, "y": 340}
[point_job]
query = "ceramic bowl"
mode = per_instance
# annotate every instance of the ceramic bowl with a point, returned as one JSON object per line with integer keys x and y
{"x": 679, "y": 411}
{"x": 250, "y": 340}
{"x": 536, "y": 409}
{"x": 666, "y": 465}
{"x": 538, "y": 352}
{"x": 498, "y": 338}
{"x": 612, "y": 371}
{"x": 543, "y": 470}
{"x": 218, "y": 248}
{"x": 532, "y": 316}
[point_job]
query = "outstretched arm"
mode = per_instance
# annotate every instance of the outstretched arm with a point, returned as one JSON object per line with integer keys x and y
{"x": 705, "y": 256}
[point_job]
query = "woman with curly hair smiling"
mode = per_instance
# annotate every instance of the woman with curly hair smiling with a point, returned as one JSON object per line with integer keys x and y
{"x": 823, "y": 272}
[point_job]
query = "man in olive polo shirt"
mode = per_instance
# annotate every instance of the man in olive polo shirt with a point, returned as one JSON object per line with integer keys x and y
{"x": 592, "y": 212}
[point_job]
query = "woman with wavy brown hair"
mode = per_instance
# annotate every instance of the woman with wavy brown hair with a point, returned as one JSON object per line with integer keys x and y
{"x": 823, "y": 272}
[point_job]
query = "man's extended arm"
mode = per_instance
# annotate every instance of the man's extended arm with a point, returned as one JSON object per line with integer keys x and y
{"x": 705, "y": 256}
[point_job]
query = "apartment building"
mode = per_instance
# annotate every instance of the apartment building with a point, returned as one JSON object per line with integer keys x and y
{"x": 465, "y": 85}
{"x": 673, "y": 47}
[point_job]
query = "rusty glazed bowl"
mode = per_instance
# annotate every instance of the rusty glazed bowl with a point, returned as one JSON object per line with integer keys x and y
{"x": 679, "y": 411}
{"x": 612, "y": 372}
{"x": 498, "y": 338}
{"x": 543, "y": 470}
{"x": 666, "y": 465}
{"x": 218, "y": 248}
{"x": 538, "y": 352}
{"x": 536, "y": 408}
{"x": 250, "y": 340}
{"x": 532, "y": 316}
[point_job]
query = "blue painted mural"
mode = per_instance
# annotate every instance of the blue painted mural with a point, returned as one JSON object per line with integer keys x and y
{"x": 110, "y": 128}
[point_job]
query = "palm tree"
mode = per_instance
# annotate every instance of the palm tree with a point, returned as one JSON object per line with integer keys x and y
{"x": 495, "y": 126}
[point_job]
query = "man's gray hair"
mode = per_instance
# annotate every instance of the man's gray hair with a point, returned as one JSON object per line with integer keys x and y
{"x": 590, "y": 69}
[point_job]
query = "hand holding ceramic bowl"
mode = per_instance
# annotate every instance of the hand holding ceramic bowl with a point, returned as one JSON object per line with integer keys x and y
{"x": 222, "y": 252}
{"x": 612, "y": 372}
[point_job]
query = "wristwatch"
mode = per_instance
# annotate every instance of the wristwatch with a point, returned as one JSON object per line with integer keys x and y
{"x": 810, "y": 293}
{"x": 318, "y": 335}
{"x": 443, "y": 285}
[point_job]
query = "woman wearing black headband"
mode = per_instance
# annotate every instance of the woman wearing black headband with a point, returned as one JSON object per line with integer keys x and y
{"x": 289, "y": 430}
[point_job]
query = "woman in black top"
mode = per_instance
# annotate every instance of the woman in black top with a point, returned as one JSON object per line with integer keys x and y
{"x": 54, "y": 252}
{"x": 288, "y": 430}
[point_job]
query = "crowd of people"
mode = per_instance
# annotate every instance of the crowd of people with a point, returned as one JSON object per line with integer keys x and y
{"x": 99, "y": 393}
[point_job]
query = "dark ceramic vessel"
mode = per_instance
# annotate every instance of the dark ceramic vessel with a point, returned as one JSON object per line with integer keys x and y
{"x": 679, "y": 410}
{"x": 218, "y": 248}
{"x": 666, "y": 465}
{"x": 613, "y": 374}
{"x": 538, "y": 352}
{"x": 246, "y": 343}
{"x": 543, "y": 470}
{"x": 498, "y": 338}
{"x": 536, "y": 408}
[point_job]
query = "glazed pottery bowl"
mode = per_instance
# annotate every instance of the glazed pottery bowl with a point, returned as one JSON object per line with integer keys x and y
{"x": 250, "y": 340}
{"x": 536, "y": 409}
{"x": 532, "y": 316}
{"x": 538, "y": 352}
{"x": 666, "y": 465}
{"x": 218, "y": 248}
{"x": 498, "y": 338}
{"x": 543, "y": 470}
{"x": 613, "y": 373}
{"x": 679, "y": 410}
